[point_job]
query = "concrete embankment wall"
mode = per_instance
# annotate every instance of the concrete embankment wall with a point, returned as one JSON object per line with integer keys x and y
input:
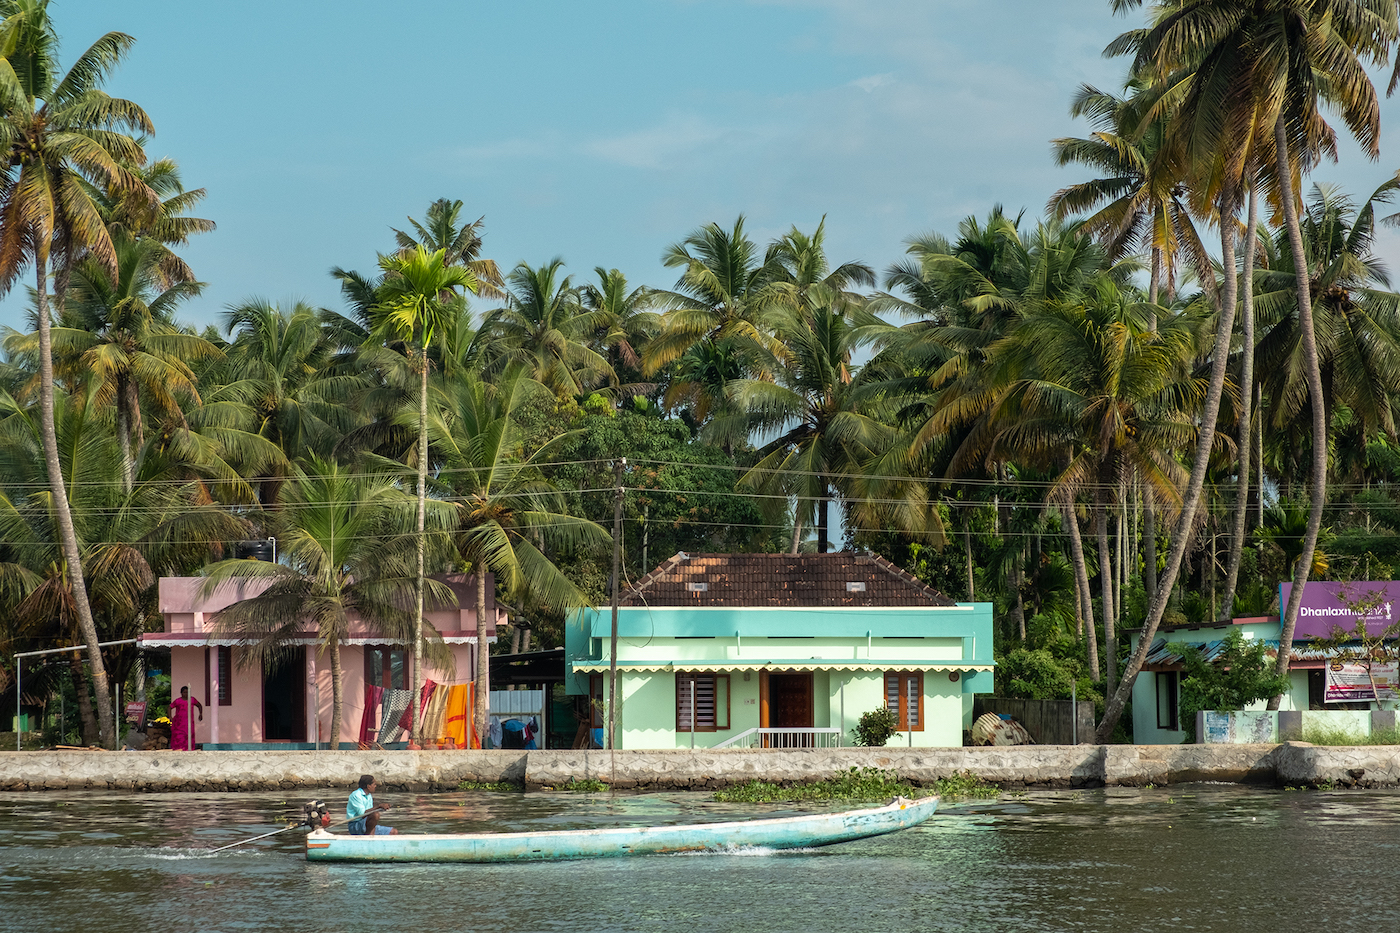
{"x": 1290, "y": 764}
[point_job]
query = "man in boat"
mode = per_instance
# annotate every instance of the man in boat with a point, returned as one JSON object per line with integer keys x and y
{"x": 363, "y": 814}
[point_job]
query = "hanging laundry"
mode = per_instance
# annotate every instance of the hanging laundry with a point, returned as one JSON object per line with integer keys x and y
{"x": 406, "y": 720}
{"x": 459, "y": 701}
{"x": 435, "y": 716}
{"x": 494, "y": 732}
{"x": 373, "y": 696}
{"x": 395, "y": 703}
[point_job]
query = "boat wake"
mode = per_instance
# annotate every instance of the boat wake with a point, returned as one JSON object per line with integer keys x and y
{"x": 752, "y": 851}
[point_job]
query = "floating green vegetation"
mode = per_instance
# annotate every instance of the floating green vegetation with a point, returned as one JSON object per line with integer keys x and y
{"x": 508, "y": 786}
{"x": 1317, "y": 735}
{"x": 585, "y": 786}
{"x": 855, "y": 785}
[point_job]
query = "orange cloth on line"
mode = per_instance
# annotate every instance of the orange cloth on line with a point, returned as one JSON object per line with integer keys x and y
{"x": 459, "y": 704}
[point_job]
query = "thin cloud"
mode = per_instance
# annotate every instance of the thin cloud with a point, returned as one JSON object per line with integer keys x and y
{"x": 655, "y": 147}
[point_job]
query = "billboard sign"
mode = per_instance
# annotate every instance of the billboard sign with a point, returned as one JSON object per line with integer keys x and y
{"x": 1325, "y": 606}
{"x": 1349, "y": 680}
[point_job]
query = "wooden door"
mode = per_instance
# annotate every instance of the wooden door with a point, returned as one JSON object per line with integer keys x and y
{"x": 790, "y": 701}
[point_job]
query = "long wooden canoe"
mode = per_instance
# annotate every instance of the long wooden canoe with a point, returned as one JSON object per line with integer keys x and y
{"x": 789, "y": 832}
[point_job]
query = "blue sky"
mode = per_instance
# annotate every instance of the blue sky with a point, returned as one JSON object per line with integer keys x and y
{"x": 601, "y": 131}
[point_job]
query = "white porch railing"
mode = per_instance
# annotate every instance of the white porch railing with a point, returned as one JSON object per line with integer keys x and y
{"x": 784, "y": 738}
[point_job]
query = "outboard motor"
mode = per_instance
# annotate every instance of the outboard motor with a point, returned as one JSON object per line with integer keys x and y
{"x": 316, "y": 815}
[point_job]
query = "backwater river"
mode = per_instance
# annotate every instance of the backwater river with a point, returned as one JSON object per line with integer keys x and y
{"x": 1187, "y": 857}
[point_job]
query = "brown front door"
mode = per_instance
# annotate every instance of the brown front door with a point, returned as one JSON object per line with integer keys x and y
{"x": 790, "y": 701}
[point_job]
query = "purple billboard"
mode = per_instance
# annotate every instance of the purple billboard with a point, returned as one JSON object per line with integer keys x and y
{"x": 1327, "y": 606}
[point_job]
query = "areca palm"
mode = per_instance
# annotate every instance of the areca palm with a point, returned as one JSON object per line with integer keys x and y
{"x": 507, "y": 519}
{"x": 410, "y": 308}
{"x": 344, "y": 553}
{"x": 59, "y": 133}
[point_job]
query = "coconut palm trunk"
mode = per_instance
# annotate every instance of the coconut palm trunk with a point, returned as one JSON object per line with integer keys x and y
{"x": 64, "y": 515}
{"x": 1191, "y": 498}
{"x": 1110, "y": 636}
{"x": 1081, "y": 573}
{"x": 337, "y": 693}
{"x": 422, "y": 545}
{"x": 1313, "y": 375}
{"x": 1246, "y": 434}
{"x": 481, "y": 705}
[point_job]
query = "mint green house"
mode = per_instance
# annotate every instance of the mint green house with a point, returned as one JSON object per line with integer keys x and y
{"x": 781, "y": 650}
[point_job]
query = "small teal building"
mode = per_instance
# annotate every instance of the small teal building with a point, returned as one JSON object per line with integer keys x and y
{"x": 713, "y": 648}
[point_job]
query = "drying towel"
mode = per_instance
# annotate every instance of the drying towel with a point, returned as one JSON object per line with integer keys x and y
{"x": 406, "y": 720}
{"x": 434, "y": 717}
{"x": 459, "y": 705}
{"x": 395, "y": 702}
{"x": 373, "y": 696}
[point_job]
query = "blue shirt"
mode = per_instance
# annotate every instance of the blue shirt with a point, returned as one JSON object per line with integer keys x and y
{"x": 361, "y": 802}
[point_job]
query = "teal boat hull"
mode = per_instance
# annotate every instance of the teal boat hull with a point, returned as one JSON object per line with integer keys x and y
{"x": 792, "y": 832}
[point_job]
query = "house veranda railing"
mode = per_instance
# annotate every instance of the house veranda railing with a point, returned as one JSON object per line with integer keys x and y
{"x": 784, "y": 738}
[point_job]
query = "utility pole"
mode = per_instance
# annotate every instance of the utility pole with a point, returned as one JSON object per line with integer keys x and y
{"x": 616, "y": 581}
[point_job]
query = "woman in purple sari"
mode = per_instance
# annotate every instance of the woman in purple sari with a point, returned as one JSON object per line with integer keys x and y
{"x": 181, "y": 735}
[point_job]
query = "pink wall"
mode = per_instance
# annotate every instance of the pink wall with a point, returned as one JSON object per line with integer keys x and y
{"x": 189, "y": 628}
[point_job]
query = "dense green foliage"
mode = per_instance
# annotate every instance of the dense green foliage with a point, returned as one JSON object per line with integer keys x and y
{"x": 1062, "y": 416}
{"x": 1239, "y": 674}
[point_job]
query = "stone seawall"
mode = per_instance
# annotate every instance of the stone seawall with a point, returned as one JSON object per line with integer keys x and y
{"x": 1290, "y": 764}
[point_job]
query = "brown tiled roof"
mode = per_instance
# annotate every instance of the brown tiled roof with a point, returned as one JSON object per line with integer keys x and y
{"x": 780, "y": 580}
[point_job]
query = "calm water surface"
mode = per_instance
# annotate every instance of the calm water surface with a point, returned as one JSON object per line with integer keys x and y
{"x": 1169, "y": 859}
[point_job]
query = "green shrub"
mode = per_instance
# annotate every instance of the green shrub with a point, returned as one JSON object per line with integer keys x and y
{"x": 876, "y": 727}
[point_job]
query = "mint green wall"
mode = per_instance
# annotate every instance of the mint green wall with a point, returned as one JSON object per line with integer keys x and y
{"x": 649, "y": 708}
{"x": 749, "y": 637}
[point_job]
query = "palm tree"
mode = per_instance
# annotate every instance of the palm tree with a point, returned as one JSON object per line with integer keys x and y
{"x": 1357, "y": 320}
{"x": 543, "y": 327}
{"x": 622, "y": 319}
{"x": 60, "y": 133}
{"x": 164, "y": 524}
{"x": 276, "y": 398}
{"x": 802, "y": 277}
{"x": 820, "y": 408}
{"x": 721, "y": 297}
{"x": 123, "y": 334}
{"x": 1250, "y": 78}
{"x": 508, "y": 519}
{"x": 1140, "y": 204}
{"x": 461, "y": 244}
{"x": 344, "y": 553}
{"x": 162, "y": 222}
{"x": 411, "y": 308}
{"x": 1090, "y": 376}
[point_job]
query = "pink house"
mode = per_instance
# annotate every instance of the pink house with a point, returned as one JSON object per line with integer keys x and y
{"x": 292, "y": 704}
